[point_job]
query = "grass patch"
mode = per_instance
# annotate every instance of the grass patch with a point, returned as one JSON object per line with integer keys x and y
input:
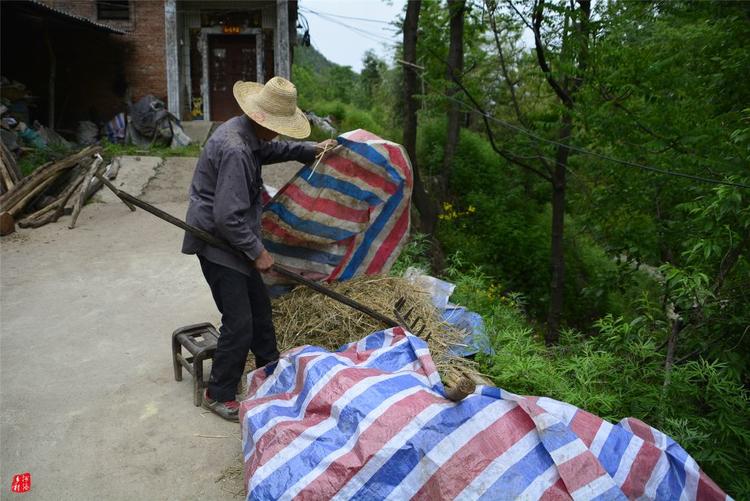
{"x": 118, "y": 150}
{"x": 32, "y": 160}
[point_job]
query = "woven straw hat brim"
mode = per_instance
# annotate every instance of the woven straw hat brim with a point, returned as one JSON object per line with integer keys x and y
{"x": 246, "y": 94}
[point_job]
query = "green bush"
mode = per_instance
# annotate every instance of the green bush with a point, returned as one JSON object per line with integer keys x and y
{"x": 413, "y": 254}
{"x": 617, "y": 373}
{"x": 348, "y": 117}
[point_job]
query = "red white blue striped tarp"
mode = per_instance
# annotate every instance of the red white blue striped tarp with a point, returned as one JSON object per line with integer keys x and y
{"x": 346, "y": 216}
{"x": 370, "y": 421}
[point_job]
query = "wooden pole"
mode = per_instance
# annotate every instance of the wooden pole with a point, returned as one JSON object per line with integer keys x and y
{"x": 130, "y": 200}
{"x": 83, "y": 190}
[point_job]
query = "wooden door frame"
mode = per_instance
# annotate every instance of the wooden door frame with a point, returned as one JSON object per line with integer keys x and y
{"x": 203, "y": 48}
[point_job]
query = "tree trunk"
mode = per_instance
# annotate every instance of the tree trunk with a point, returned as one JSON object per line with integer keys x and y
{"x": 677, "y": 326}
{"x": 427, "y": 212}
{"x": 455, "y": 68}
{"x": 557, "y": 252}
{"x": 728, "y": 262}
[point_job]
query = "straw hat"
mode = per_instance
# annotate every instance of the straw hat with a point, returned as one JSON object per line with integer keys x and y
{"x": 273, "y": 105}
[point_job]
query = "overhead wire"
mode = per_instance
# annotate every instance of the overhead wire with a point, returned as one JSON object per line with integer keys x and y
{"x": 307, "y": 9}
{"x": 361, "y": 31}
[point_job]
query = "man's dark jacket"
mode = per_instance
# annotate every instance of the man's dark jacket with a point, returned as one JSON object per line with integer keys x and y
{"x": 225, "y": 194}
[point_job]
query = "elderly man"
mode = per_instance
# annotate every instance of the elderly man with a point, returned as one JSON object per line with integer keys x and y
{"x": 225, "y": 200}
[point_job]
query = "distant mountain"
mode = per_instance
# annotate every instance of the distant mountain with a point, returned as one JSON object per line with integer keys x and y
{"x": 311, "y": 59}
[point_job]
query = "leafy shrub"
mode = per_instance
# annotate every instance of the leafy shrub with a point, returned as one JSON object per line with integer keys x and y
{"x": 414, "y": 254}
{"x": 348, "y": 117}
{"x": 616, "y": 374}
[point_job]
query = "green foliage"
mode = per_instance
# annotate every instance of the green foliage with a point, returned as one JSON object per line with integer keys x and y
{"x": 618, "y": 373}
{"x": 347, "y": 117}
{"x": 114, "y": 150}
{"x": 668, "y": 92}
{"x": 33, "y": 159}
{"x": 664, "y": 85}
{"x": 30, "y": 160}
{"x": 414, "y": 254}
{"x": 317, "y": 78}
{"x": 330, "y": 90}
{"x": 498, "y": 224}
{"x": 371, "y": 77}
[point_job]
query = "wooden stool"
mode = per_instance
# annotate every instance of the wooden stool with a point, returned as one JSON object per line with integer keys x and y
{"x": 200, "y": 340}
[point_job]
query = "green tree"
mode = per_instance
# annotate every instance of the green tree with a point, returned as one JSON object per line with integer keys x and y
{"x": 371, "y": 76}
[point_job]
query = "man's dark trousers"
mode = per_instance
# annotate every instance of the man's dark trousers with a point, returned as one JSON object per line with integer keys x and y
{"x": 246, "y": 324}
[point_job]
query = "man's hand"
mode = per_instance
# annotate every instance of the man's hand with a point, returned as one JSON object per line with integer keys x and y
{"x": 328, "y": 144}
{"x": 264, "y": 261}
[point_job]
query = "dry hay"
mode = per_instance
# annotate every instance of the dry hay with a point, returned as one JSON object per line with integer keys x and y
{"x": 307, "y": 317}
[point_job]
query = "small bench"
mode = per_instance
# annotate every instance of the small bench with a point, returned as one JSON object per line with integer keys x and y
{"x": 200, "y": 341}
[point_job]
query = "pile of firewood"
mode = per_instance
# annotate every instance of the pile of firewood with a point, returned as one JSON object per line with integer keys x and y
{"x": 10, "y": 174}
{"x": 52, "y": 190}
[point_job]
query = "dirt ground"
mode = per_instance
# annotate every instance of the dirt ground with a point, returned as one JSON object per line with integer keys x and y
{"x": 89, "y": 405}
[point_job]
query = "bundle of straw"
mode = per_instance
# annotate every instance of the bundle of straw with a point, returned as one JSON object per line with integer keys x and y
{"x": 306, "y": 317}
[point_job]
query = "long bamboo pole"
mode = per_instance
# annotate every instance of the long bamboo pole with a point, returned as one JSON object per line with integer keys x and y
{"x": 130, "y": 200}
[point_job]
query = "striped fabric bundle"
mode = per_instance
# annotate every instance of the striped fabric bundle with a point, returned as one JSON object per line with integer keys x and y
{"x": 116, "y": 129}
{"x": 371, "y": 422}
{"x": 346, "y": 216}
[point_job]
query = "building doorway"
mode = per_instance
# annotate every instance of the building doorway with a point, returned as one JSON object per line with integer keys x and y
{"x": 230, "y": 58}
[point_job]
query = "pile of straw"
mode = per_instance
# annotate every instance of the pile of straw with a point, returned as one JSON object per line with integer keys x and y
{"x": 307, "y": 317}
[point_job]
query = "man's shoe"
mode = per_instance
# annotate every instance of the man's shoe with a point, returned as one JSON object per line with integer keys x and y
{"x": 229, "y": 410}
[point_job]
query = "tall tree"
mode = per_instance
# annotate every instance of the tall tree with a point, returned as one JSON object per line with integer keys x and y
{"x": 425, "y": 205}
{"x": 566, "y": 84}
{"x": 568, "y": 26}
{"x": 371, "y": 76}
{"x": 455, "y": 67}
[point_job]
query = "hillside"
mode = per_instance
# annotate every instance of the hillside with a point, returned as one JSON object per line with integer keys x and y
{"x": 310, "y": 58}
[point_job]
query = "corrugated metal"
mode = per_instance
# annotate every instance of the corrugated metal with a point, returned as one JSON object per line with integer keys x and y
{"x": 36, "y": 5}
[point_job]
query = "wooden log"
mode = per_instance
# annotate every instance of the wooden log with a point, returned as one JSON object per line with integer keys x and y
{"x": 38, "y": 218}
{"x": 8, "y": 162}
{"x": 19, "y": 205}
{"x": 114, "y": 169}
{"x": 461, "y": 390}
{"x": 110, "y": 174}
{"x": 7, "y": 224}
{"x": 41, "y": 175}
{"x": 56, "y": 209}
{"x": 478, "y": 379}
{"x": 5, "y": 177}
{"x": 83, "y": 190}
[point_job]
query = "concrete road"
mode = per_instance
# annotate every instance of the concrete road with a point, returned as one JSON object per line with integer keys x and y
{"x": 88, "y": 402}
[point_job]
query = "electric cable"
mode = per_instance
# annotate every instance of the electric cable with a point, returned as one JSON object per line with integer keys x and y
{"x": 318, "y": 13}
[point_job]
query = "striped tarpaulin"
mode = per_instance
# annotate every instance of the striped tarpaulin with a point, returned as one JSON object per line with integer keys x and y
{"x": 346, "y": 216}
{"x": 370, "y": 421}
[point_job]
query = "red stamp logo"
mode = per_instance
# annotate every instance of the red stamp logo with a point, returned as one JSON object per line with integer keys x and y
{"x": 21, "y": 483}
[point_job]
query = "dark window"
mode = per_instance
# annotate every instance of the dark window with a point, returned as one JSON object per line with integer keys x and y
{"x": 113, "y": 9}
